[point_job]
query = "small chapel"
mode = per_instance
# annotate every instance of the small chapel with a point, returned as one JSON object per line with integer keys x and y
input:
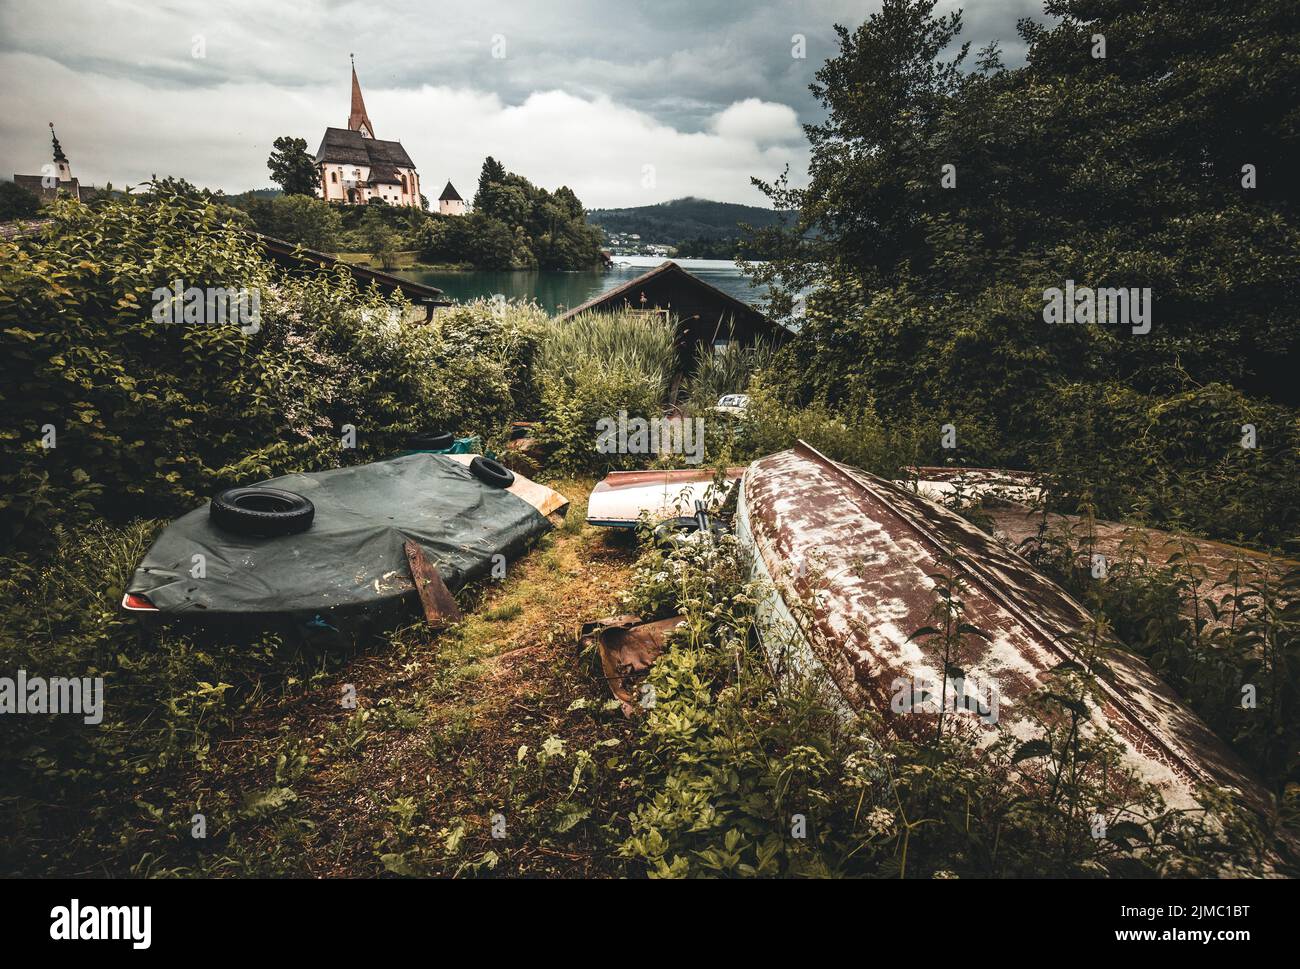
{"x": 355, "y": 167}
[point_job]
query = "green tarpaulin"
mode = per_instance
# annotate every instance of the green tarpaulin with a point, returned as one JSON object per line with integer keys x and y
{"x": 352, "y": 558}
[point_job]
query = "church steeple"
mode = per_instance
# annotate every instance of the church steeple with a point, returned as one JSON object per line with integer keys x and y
{"x": 59, "y": 156}
{"x": 358, "y": 120}
{"x": 60, "y": 159}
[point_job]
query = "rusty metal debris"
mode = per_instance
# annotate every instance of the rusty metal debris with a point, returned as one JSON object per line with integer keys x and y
{"x": 628, "y": 648}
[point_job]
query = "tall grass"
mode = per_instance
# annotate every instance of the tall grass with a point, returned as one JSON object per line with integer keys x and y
{"x": 727, "y": 371}
{"x": 593, "y": 366}
{"x": 629, "y": 342}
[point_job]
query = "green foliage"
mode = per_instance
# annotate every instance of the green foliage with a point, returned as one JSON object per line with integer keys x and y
{"x": 298, "y": 218}
{"x": 477, "y": 239}
{"x": 16, "y": 202}
{"x": 591, "y": 367}
{"x": 1123, "y": 171}
{"x": 292, "y": 168}
{"x": 380, "y": 241}
{"x": 1230, "y": 648}
{"x": 66, "y": 781}
{"x": 1177, "y": 459}
{"x": 547, "y": 230}
{"x": 138, "y": 427}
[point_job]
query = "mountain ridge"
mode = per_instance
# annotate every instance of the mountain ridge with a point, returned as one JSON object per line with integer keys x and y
{"x": 685, "y": 218}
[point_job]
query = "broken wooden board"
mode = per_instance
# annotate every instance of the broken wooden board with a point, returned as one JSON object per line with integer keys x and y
{"x": 440, "y": 608}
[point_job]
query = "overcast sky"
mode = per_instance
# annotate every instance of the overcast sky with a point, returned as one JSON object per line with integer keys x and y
{"x": 586, "y": 93}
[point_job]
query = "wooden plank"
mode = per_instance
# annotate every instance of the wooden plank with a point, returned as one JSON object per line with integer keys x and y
{"x": 440, "y": 608}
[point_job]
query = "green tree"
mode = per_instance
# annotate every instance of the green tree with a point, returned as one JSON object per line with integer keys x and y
{"x": 380, "y": 239}
{"x": 292, "y": 167}
{"x": 298, "y": 218}
{"x": 492, "y": 173}
{"x": 16, "y": 202}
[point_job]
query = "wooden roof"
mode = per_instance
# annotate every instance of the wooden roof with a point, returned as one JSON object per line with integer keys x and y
{"x": 346, "y": 147}
{"x": 292, "y": 255}
{"x": 629, "y": 294}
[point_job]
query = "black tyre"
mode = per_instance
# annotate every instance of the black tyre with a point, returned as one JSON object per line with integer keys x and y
{"x": 669, "y": 532}
{"x": 492, "y": 472}
{"x": 265, "y": 512}
{"x": 440, "y": 441}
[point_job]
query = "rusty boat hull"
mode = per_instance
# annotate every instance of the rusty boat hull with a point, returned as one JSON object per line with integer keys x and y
{"x": 848, "y": 559}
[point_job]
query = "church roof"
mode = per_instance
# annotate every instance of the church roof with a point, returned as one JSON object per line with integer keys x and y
{"x": 346, "y": 147}
{"x": 358, "y": 115}
{"x": 36, "y": 185}
{"x": 449, "y": 194}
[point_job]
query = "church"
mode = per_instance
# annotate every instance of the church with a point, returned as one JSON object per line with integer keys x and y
{"x": 355, "y": 166}
{"x": 56, "y": 179}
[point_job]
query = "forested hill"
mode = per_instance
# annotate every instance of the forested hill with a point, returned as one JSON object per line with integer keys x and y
{"x": 685, "y": 218}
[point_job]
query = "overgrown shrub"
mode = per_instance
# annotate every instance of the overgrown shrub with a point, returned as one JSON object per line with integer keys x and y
{"x": 150, "y": 415}
{"x": 1230, "y": 648}
{"x": 1208, "y": 459}
{"x": 68, "y": 782}
{"x": 590, "y": 368}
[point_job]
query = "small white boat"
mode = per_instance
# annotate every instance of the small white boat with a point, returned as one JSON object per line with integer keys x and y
{"x": 623, "y": 496}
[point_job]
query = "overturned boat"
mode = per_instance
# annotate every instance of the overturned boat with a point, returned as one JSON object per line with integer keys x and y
{"x": 347, "y": 546}
{"x": 850, "y": 558}
{"x": 621, "y": 498}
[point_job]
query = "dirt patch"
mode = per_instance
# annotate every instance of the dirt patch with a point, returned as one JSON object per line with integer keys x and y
{"x": 425, "y": 775}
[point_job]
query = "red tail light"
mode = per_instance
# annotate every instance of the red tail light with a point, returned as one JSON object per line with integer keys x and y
{"x": 137, "y": 603}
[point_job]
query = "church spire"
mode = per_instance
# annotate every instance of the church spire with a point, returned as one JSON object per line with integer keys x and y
{"x": 358, "y": 120}
{"x": 59, "y": 156}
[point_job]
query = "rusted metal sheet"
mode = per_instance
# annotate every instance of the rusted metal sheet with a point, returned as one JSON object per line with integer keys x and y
{"x": 971, "y": 484}
{"x": 619, "y": 499}
{"x": 850, "y": 555}
{"x": 628, "y": 648}
{"x": 435, "y": 598}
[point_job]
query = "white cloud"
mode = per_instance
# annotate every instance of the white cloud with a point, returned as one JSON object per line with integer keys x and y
{"x": 122, "y": 130}
{"x": 761, "y": 122}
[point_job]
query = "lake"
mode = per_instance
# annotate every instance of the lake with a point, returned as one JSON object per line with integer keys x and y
{"x": 562, "y": 291}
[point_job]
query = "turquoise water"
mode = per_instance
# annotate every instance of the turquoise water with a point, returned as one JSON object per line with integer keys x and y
{"x": 559, "y": 291}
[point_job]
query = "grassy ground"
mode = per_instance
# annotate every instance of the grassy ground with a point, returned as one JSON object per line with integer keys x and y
{"x": 410, "y": 780}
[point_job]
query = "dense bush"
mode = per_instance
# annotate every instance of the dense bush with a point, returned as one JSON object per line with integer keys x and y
{"x": 1179, "y": 459}
{"x": 68, "y": 784}
{"x": 300, "y": 219}
{"x": 590, "y": 368}
{"x": 151, "y": 415}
